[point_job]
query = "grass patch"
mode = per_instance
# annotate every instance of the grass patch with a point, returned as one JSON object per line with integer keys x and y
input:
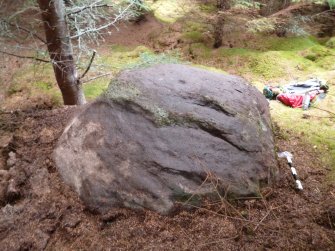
{"x": 288, "y": 44}
{"x": 44, "y": 86}
{"x": 267, "y": 65}
{"x": 207, "y": 7}
{"x": 95, "y": 88}
{"x": 193, "y": 36}
{"x": 122, "y": 58}
{"x": 200, "y": 50}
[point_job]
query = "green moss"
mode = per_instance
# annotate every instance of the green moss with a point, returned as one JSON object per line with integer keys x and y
{"x": 200, "y": 50}
{"x": 288, "y": 44}
{"x": 226, "y": 52}
{"x": 195, "y": 26}
{"x": 121, "y": 91}
{"x": 327, "y": 63}
{"x": 194, "y": 36}
{"x": 267, "y": 64}
{"x": 207, "y": 7}
{"x": 147, "y": 59}
{"x": 33, "y": 83}
{"x": 115, "y": 48}
{"x": 95, "y": 88}
{"x": 194, "y": 32}
{"x": 120, "y": 58}
{"x": 316, "y": 52}
{"x": 43, "y": 85}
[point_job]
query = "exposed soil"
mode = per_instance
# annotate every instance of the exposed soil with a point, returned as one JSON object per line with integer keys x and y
{"x": 43, "y": 213}
{"x": 136, "y": 33}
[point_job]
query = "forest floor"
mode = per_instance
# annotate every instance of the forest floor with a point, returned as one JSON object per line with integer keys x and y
{"x": 43, "y": 213}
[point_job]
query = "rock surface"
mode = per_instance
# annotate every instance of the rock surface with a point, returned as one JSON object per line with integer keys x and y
{"x": 164, "y": 133}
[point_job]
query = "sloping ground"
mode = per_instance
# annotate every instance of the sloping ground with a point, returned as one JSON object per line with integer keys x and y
{"x": 47, "y": 214}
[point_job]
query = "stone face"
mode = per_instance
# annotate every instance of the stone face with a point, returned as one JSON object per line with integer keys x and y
{"x": 164, "y": 133}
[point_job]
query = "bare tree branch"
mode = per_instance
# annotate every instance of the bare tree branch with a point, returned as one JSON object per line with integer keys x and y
{"x": 25, "y": 57}
{"x": 89, "y": 65}
{"x": 93, "y": 5}
{"x": 116, "y": 19}
{"x": 25, "y": 30}
{"x": 24, "y": 10}
{"x": 94, "y": 78}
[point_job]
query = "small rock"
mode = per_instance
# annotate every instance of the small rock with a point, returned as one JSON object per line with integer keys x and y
{"x": 11, "y": 160}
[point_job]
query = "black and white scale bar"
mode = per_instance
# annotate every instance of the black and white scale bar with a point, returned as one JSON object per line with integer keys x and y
{"x": 295, "y": 176}
{"x": 289, "y": 157}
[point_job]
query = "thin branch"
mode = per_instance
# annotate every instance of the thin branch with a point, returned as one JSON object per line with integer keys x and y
{"x": 93, "y": 5}
{"x": 89, "y": 65}
{"x": 24, "y": 10}
{"x": 88, "y": 7}
{"x": 266, "y": 215}
{"x": 25, "y": 57}
{"x": 94, "y": 78}
{"x": 26, "y": 30}
{"x": 116, "y": 19}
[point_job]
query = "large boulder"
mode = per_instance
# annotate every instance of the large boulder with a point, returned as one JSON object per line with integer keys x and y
{"x": 165, "y": 133}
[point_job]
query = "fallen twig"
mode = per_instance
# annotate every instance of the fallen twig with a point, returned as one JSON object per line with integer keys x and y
{"x": 324, "y": 110}
{"x": 266, "y": 215}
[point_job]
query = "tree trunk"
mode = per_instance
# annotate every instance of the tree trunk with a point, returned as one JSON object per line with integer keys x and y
{"x": 218, "y": 30}
{"x": 60, "y": 51}
{"x": 223, "y": 4}
{"x": 219, "y": 21}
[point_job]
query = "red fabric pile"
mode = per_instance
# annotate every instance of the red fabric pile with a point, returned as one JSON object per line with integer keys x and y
{"x": 294, "y": 100}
